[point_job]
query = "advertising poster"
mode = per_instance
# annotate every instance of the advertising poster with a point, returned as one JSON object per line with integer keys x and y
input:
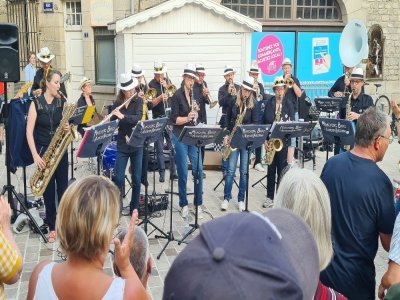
{"x": 269, "y": 49}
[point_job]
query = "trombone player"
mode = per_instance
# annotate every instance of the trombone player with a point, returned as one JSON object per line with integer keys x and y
{"x": 159, "y": 104}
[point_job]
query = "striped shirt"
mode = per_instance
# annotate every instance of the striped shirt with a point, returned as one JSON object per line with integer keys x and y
{"x": 394, "y": 253}
{"x": 10, "y": 262}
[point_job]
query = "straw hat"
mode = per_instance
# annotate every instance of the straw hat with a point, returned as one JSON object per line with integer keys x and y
{"x": 127, "y": 82}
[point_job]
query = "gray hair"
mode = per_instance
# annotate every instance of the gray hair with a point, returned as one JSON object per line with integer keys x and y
{"x": 371, "y": 124}
{"x": 140, "y": 252}
{"x": 303, "y": 192}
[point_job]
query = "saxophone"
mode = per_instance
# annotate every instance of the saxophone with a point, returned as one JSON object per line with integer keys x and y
{"x": 273, "y": 145}
{"x": 348, "y": 111}
{"x": 226, "y": 152}
{"x": 58, "y": 145}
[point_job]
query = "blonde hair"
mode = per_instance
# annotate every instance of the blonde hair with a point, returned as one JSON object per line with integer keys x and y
{"x": 303, "y": 192}
{"x": 87, "y": 217}
{"x": 249, "y": 102}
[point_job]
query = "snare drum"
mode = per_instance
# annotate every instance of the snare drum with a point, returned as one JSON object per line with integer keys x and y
{"x": 108, "y": 159}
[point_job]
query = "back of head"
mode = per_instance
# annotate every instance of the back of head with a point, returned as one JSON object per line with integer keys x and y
{"x": 140, "y": 252}
{"x": 370, "y": 124}
{"x": 87, "y": 217}
{"x": 303, "y": 192}
{"x": 244, "y": 256}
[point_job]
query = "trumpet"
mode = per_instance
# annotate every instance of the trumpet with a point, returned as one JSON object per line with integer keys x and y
{"x": 209, "y": 100}
{"x": 289, "y": 82}
{"x": 232, "y": 89}
{"x": 170, "y": 89}
{"x": 194, "y": 106}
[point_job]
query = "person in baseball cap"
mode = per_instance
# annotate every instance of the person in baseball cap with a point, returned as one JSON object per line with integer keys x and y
{"x": 247, "y": 256}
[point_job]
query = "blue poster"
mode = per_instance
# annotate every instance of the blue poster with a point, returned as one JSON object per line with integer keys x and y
{"x": 269, "y": 49}
{"x": 318, "y": 57}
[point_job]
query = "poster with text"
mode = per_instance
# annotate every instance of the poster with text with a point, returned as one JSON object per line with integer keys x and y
{"x": 269, "y": 49}
{"x": 318, "y": 57}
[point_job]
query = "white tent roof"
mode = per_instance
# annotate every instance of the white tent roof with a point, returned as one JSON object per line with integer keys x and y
{"x": 170, "y": 5}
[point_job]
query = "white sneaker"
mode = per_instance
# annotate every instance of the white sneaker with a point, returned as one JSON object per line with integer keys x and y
{"x": 224, "y": 204}
{"x": 268, "y": 203}
{"x": 259, "y": 168}
{"x": 185, "y": 211}
{"x": 241, "y": 206}
{"x": 200, "y": 213}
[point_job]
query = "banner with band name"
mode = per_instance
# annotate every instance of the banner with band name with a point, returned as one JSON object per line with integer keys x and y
{"x": 269, "y": 49}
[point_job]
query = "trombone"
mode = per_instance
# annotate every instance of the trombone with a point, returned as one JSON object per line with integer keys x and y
{"x": 209, "y": 100}
{"x": 150, "y": 93}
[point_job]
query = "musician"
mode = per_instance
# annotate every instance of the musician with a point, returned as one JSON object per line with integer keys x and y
{"x": 128, "y": 109}
{"x": 44, "y": 116}
{"x": 45, "y": 57}
{"x": 184, "y": 113}
{"x": 201, "y": 94}
{"x": 245, "y": 104}
{"x": 277, "y": 104}
{"x": 138, "y": 73}
{"x": 260, "y": 96}
{"x": 160, "y": 109}
{"x": 86, "y": 99}
{"x": 227, "y": 95}
{"x": 341, "y": 88}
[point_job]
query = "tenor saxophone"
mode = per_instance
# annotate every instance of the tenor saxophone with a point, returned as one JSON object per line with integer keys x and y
{"x": 348, "y": 111}
{"x": 273, "y": 145}
{"x": 54, "y": 153}
{"x": 227, "y": 151}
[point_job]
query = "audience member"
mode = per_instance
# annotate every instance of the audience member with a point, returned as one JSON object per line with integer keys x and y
{"x": 140, "y": 255}
{"x": 393, "y": 292}
{"x": 88, "y": 216}
{"x": 362, "y": 208}
{"x": 392, "y": 274}
{"x": 10, "y": 256}
{"x": 247, "y": 256}
{"x": 305, "y": 194}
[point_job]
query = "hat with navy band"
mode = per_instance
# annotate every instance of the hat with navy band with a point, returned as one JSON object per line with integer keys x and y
{"x": 254, "y": 69}
{"x": 137, "y": 71}
{"x": 127, "y": 82}
{"x": 200, "y": 69}
{"x": 286, "y": 61}
{"x": 190, "y": 70}
{"x": 357, "y": 74}
{"x": 84, "y": 81}
{"x": 247, "y": 256}
{"x": 248, "y": 83}
{"x": 229, "y": 69}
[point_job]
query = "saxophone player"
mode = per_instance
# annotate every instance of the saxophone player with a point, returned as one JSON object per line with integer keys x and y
{"x": 44, "y": 116}
{"x": 227, "y": 95}
{"x": 278, "y": 108}
{"x": 183, "y": 113}
{"x": 244, "y": 108}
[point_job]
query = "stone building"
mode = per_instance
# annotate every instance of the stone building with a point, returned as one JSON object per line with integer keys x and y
{"x": 80, "y": 32}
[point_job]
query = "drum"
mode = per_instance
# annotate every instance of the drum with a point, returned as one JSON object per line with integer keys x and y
{"x": 108, "y": 159}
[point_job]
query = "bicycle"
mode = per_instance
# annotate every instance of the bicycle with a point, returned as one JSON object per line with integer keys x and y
{"x": 382, "y": 103}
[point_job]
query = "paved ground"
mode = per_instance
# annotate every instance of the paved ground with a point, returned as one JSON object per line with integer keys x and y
{"x": 34, "y": 250}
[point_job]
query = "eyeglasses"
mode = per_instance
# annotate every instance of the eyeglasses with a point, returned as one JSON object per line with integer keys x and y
{"x": 355, "y": 81}
{"x": 390, "y": 139}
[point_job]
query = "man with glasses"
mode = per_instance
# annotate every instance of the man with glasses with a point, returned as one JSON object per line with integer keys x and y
{"x": 362, "y": 207}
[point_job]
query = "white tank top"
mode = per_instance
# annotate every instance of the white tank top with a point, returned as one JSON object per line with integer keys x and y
{"x": 45, "y": 291}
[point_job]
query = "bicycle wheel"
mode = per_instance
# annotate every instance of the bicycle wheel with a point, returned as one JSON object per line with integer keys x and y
{"x": 383, "y": 104}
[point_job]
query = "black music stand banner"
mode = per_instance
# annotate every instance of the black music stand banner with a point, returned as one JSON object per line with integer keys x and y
{"x": 82, "y": 114}
{"x": 147, "y": 131}
{"x": 287, "y": 130}
{"x": 328, "y": 104}
{"x": 253, "y": 135}
{"x": 96, "y": 139}
{"x": 337, "y": 131}
{"x": 195, "y": 135}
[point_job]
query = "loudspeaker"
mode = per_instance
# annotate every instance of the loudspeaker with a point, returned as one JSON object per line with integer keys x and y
{"x": 9, "y": 53}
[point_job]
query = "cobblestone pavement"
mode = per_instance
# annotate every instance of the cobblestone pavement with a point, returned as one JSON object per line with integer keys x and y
{"x": 34, "y": 250}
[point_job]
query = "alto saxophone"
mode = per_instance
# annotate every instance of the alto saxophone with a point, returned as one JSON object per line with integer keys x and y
{"x": 226, "y": 152}
{"x": 273, "y": 145}
{"x": 348, "y": 111}
{"x": 52, "y": 157}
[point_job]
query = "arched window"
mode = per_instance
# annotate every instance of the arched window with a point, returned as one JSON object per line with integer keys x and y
{"x": 325, "y": 10}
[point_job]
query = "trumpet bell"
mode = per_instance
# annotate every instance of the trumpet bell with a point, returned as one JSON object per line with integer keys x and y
{"x": 150, "y": 94}
{"x": 353, "y": 45}
{"x": 212, "y": 104}
{"x": 289, "y": 83}
{"x": 171, "y": 89}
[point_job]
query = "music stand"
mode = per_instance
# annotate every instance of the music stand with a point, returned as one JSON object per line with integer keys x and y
{"x": 95, "y": 139}
{"x": 337, "y": 131}
{"x": 307, "y": 132}
{"x": 328, "y": 104}
{"x": 197, "y": 136}
{"x": 144, "y": 133}
{"x": 249, "y": 137}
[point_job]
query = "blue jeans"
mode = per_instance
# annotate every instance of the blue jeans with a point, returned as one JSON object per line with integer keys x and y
{"x": 183, "y": 151}
{"x": 121, "y": 161}
{"x": 233, "y": 158}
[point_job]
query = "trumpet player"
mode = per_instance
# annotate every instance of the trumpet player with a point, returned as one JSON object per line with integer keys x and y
{"x": 278, "y": 109}
{"x": 293, "y": 92}
{"x": 245, "y": 106}
{"x": 184, "y": 113}
{"x": 159, "y": 105}
{"x": 227, "y": 95}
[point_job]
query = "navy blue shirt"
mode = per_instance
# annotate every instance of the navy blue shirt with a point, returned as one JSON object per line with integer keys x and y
{"x": 358, "y": 105}
{"x": 226, "y": 101}
{"x": 250, "y": 117}
{"x": 201, "y": 100}
{"x": 362, "y": 207}
{"x": 291, "y": 95}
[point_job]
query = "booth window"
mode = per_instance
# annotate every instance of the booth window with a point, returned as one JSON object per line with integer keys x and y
{"x": 73, "y": 13}
{"x": 286, "y": 9}
{"x": 104, "y": 55}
